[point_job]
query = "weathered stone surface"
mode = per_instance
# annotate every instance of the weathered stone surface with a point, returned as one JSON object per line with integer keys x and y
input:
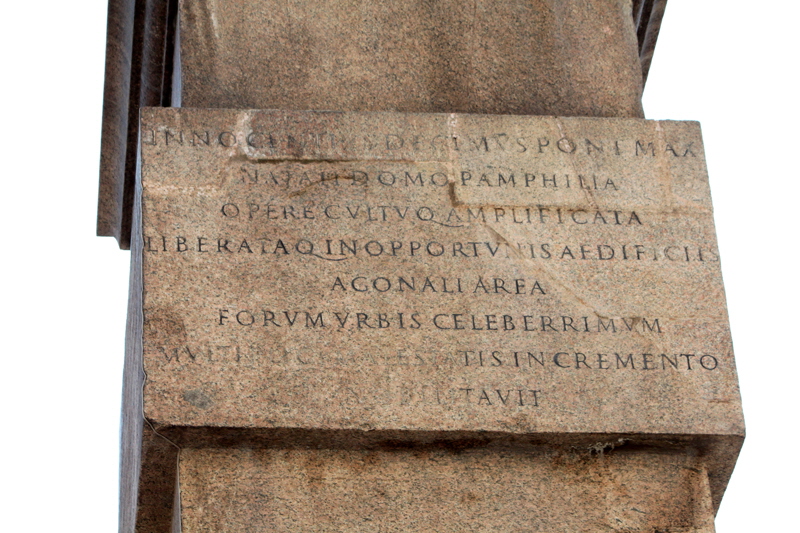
{"x": 544, "y": 57}
{"x": 570, "y": 264}
{"x": 239, "y": 490}
{"x": 137, "y": 74}
{"x": 368, "y": 283}
{"x": 111, "y": 195}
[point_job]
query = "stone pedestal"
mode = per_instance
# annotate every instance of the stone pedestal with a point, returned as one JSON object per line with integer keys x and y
{"x": 416, "y": 322}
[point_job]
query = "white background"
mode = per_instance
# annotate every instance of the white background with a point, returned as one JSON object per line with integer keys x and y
{"x": 730, "y": 64}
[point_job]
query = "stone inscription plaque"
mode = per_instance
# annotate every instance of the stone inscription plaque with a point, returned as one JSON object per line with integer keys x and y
{"x": 431, "y": 272}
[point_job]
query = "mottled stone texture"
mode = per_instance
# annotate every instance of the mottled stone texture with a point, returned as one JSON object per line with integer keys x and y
{"x": 348, "y": 315}
{"x": 283, "y": 490}
{"x": 540, "y": 57}
{"x": 115, "y": 141}
{"x": 139, "y": 32}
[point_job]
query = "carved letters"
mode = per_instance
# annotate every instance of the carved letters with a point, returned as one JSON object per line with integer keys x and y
{"x": 508, "y": 260}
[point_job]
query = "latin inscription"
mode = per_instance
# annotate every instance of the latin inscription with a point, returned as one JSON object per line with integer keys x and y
{"x": 334, "y": 249}
{"x": 441, "y": 321}
{"x": 289, "y": 178}
{"x": 452, "y": 217}
{"x": 299, "y": 144}
{"x": 524, "y": 360}
{"x": 480, "y": 271}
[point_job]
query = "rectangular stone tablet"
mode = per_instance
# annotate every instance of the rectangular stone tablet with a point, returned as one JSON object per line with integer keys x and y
{"x": 431, "y": 272}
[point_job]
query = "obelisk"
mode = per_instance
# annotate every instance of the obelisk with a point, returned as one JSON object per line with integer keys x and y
{"x": 417, "y": 266}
